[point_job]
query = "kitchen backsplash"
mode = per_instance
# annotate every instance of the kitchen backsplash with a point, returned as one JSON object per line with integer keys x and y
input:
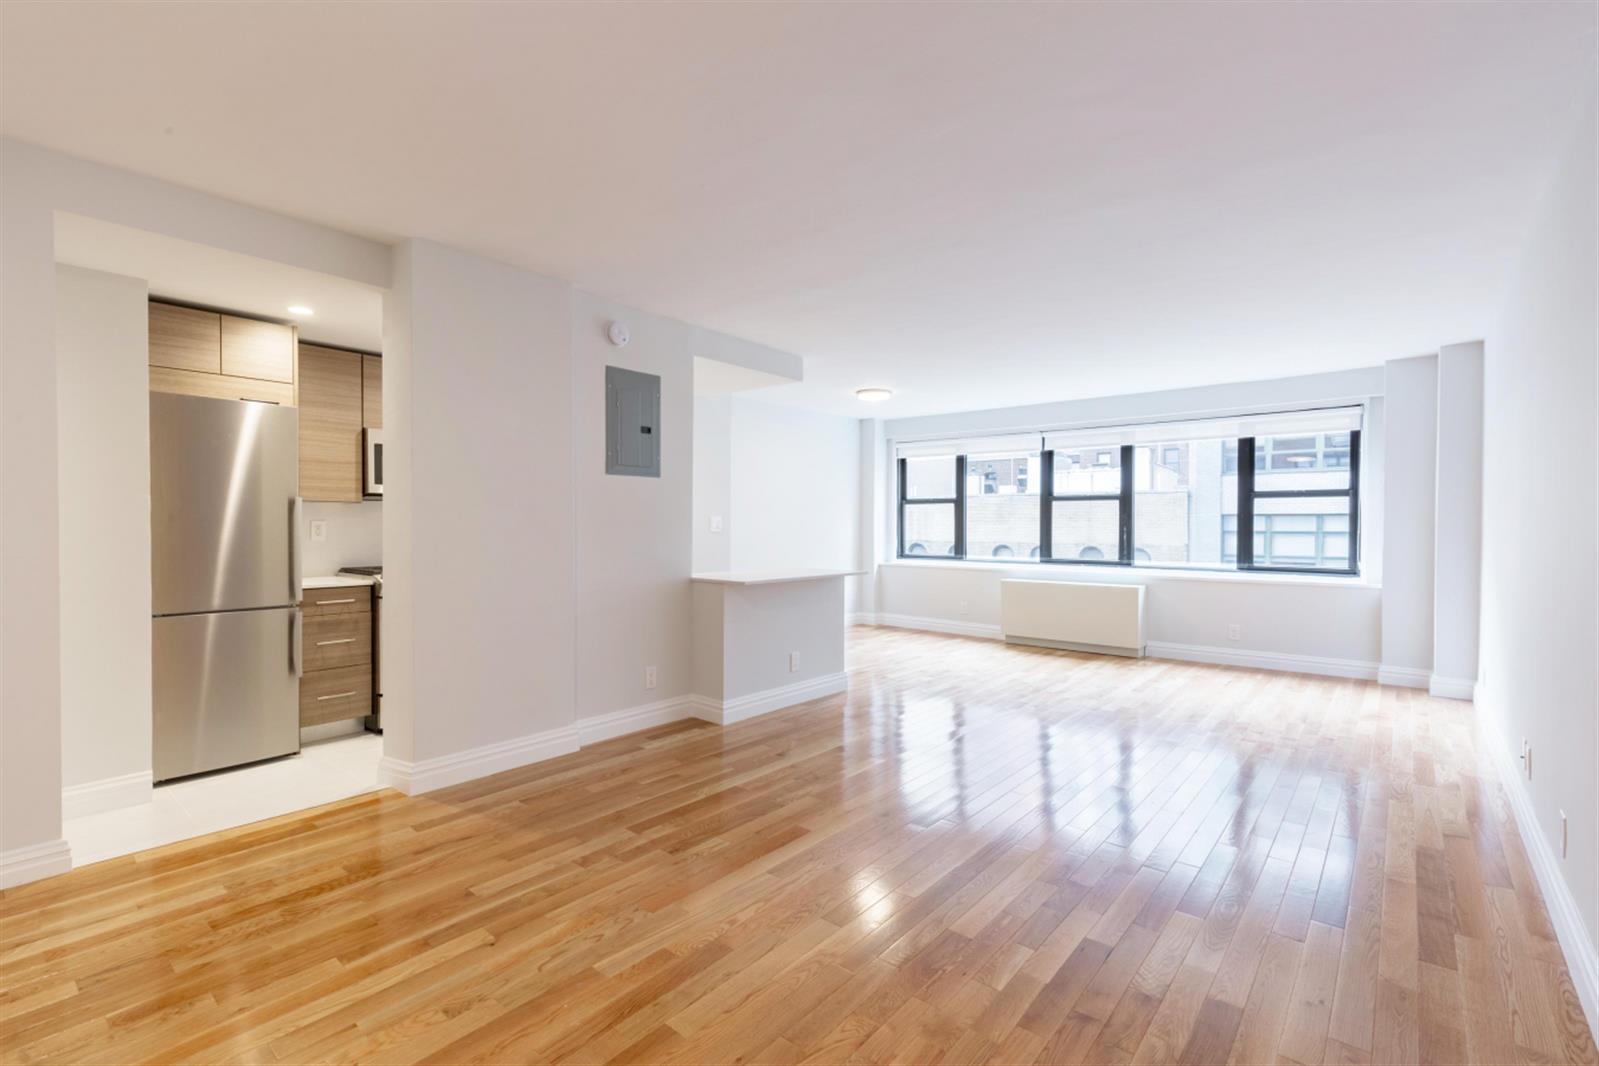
{"x": 354, "y": 536}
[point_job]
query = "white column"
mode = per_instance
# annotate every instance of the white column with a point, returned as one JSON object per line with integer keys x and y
{"x": 1409, "y": 455}
{"x": 1457, "y": 557}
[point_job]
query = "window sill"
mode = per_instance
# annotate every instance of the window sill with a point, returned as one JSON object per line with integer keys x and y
{"x": 1131, "y": 575}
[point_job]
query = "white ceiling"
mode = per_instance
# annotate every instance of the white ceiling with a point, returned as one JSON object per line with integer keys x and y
{"x": 972, "y": 204}
{"x": 345, "y": 314}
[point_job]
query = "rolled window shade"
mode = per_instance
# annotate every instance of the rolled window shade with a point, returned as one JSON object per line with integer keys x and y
{"x": 1004, "y": 443}
{"x": 1273, "y": 424}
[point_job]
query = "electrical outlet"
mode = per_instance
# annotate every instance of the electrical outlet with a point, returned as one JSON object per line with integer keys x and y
{"x": 1565, "y": 835}
{"x": 319, "y": 529}
{"x": 793, "y": 662}
{"x": 1529, "y": 763}
{"x": 716, "y": 523}
{"x": 963, "y": 608}
{"x": 649, "y": 677}
{"x": 1235, "y": 632}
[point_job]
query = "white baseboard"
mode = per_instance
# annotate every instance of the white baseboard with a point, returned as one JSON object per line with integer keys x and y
{"x": 726, "y": 712}
{"x": 107, "y": 794}
{"x": 860, "y": 618}
{"x": 1452, "y": 688}
{"x": 33, "y": 863}
{"x": 600, "y": 727}
{"x": 414, "y": 778}
{"x": 1263, "y": 660}
{"x": 1403, "y": 676}
{"x": 940, "y": 625}
{"x": 1582, "y": 954}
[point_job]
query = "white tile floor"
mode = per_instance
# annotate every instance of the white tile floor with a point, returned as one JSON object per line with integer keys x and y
{"x": 323, "y": 771}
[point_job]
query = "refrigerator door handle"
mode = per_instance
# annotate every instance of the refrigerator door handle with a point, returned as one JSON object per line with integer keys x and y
{"x": 296, "y": 531}
{"x": 296, "y": 635}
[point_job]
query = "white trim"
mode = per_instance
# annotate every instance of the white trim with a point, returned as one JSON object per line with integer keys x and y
{"x": 1582, "y": 955}
{"x": 860, "y": 618}
{"x": 1403, "y": 676}
{"x": 414, "y": 778}
{"x": 727, "y": 712}
{"x": 600, "y": 727}
{"x": 34, "y": 862}
{"x": 1264, "y": 660}
{"x": 1452, "y": 688}
{"x": 939, "y": 625}
{"x": 1130, "y": 575}
{"x": 107, "y": 794}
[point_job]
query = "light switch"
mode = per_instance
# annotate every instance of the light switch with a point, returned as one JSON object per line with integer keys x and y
{"x": 716, "y": 523}
{"x": 319, "y": 529}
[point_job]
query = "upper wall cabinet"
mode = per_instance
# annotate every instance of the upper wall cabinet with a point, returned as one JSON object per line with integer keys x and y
{"x": 185, "y": 338}
{"x": 255, "y": 349}
{"x": 330, "y": 424}
{"x": 225, "y": 357}
{"x": 371, "y": 392}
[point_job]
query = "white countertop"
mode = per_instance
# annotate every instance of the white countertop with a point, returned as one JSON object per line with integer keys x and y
{"x": 337, "y": 581}
{"x": 769, "y": 577}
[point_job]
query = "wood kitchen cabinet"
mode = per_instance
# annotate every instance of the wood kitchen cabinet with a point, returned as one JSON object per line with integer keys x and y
{"x": 197, "y": 352}
{"x": 255, "y": 349}
{"x": 330, "y": 424}
{"x": 336, "y": 652}
{"x": 372, "y": 392}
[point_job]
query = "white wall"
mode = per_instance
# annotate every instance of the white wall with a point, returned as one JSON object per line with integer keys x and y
{"x": 1457, "y": 555}
{"x": 482, "y": 486}
{"x": 103, "y": 435}
{"x": 354, "y": 536}
{"x": 796, "y": 487}
{"x": 634, "y": 550}
{"x": 713, "y": 483}
{"x": 1539, "y": 573}
{"x": 1410, "y": 407}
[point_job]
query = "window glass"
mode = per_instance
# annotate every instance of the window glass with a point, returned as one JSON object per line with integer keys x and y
{"x": 1288, "y": 464}
{"x": 1302, "y": 532}
{"x": 1085, "y": 529}
{"x": 1002, "y": 517}
{"x": 930, "y": 478}
{"x": 1180, "y": 495}
{"x": 1088, "y": 471}
{"x": 929, "y": 529}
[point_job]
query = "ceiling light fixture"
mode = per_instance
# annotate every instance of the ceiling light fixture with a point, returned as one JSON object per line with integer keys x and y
{"x": 300, "y": 309}
{"x": 873, "y": 395}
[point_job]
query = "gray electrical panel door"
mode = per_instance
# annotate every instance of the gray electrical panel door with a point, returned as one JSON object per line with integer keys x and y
{"x": 632, "y": 423}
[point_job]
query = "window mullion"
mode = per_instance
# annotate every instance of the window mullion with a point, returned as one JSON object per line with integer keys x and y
{"x": 1124, "y": 539}
{"x": 1246, "y": 503}
{"x": 960, "y": 507}
{"x": 1046, "y": 505}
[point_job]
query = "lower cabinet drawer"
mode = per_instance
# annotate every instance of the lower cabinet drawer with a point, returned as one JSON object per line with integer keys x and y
{"x": 336, "y": 640}
{"x": 334, "y": 695}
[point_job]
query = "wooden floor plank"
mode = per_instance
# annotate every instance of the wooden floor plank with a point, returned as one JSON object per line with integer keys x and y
{"x": 979, "y": 853}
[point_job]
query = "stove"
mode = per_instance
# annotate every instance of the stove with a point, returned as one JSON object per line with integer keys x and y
{"x": 362, "y": 571}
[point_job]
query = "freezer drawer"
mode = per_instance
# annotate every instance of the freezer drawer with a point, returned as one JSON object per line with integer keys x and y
{"x": 227, "y": 689}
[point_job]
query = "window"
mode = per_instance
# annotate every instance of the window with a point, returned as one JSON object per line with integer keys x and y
{"x": 1002, "y": 505}
{"x": 1178, "y": 497}
{"x": 1300, "y": 498}
{"x": 1085, "y": 520}
{"x": 1179, "y": 493}
{"x": 930, "y": 501}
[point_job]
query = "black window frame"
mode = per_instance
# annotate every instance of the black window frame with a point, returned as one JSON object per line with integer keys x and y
{"x": 1047, "y": 498}
{"x": 1247, "y": 495}
{"x": 958, "y": 550}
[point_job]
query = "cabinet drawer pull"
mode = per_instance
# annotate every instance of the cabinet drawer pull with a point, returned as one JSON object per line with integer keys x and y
{"x": 341, "y": 640}
{"x": 339, "y": 695}
{"x": 326, "y": 602}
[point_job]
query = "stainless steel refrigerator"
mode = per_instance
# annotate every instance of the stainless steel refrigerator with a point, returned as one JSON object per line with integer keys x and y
{"x": 224, "y": 529}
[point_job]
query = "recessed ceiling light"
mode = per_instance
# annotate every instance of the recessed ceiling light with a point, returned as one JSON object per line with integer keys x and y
{"x": 300, "y": 309}
{"x": 873, "y": 395}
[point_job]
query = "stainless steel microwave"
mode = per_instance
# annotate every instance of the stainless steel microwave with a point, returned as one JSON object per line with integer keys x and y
{"x": 372, "y": 463}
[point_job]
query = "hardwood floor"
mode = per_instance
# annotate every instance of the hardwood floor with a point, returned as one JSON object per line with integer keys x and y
{"x": 981, "y": 854}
